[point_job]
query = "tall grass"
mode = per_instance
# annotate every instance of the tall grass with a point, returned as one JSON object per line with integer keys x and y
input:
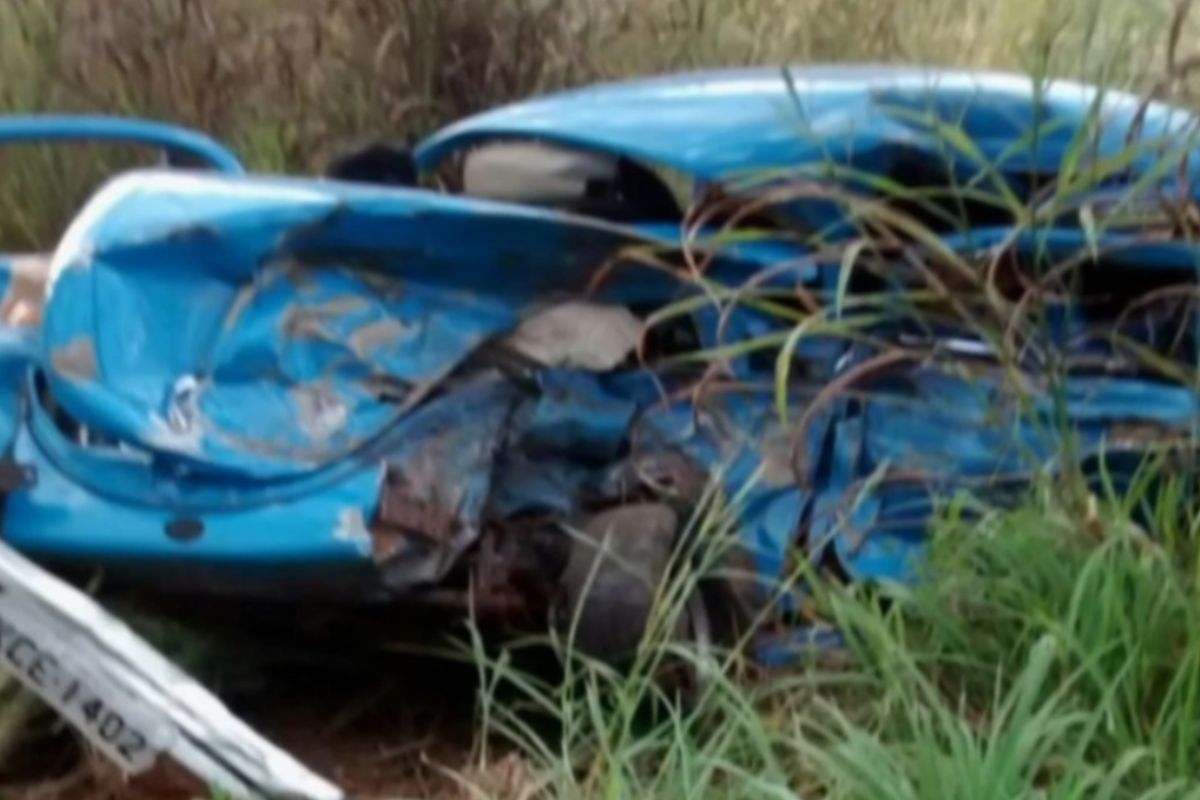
{"x": 1054, "y": 655}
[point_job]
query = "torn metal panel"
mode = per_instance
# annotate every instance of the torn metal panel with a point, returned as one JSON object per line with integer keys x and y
{"x": 576, "y": 415}
{"x": 316, "y": 313}
{"x": 891, "y": 458}
{"x": 734, "y": 435}
{"x": 126, "y": 699}
{"x": 439, "y": 473}
{"x": 304, "y": 365}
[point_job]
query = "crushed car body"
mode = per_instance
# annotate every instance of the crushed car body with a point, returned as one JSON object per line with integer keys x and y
{"x": 260, "y": 386}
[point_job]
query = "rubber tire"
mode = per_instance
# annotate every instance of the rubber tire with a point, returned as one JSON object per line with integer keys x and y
{"x": 618, "y": 560}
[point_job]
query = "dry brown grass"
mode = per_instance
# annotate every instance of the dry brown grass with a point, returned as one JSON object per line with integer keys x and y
{"x": 312, "y": 73}
{"x": 288, "y": 82}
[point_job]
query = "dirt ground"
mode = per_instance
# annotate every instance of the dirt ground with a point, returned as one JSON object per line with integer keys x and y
{"x": 410, "y": 737}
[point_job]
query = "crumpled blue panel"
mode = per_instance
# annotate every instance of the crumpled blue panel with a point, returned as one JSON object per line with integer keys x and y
{"x": 440, "y": 463}
{"x": 926, "y": 433}
{"x": 937, "y": 423}
{"x": 883, "y": 535}
{"x": 141, "y": 284}
{"x": 564, "y": 439}
{"x": 526, "y": 484}
{"x": 266, "y": 327}
{"x": 765, "y": 470}
{"x": 344, "y": 351}
{"x": 575, "y": 415}
{"x": 183, "y": 320}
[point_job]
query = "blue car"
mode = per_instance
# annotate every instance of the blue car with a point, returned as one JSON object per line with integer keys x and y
{"x": 570, "y": 328}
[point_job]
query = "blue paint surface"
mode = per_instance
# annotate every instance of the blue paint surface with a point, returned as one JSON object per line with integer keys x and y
{"x": 177, "y": 142}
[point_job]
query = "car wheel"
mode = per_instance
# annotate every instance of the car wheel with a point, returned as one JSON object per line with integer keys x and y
{"x": 618, "y": 560}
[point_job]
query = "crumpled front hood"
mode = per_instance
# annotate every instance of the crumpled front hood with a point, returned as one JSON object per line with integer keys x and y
{"x": 265, "y": 327}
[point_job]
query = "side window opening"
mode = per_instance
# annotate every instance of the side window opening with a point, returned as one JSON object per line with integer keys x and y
{"x": 603, "y": 185}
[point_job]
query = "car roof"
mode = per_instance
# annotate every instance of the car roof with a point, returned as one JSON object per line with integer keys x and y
{"x": 713, "y": 123}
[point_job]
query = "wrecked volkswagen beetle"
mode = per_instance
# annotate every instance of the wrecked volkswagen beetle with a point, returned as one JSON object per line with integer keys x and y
{"x": 803, "y": 295}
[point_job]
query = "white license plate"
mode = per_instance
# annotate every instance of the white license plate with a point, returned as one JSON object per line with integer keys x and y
{"x": 110, "y": 719}
{"x": 126, "y": 698}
